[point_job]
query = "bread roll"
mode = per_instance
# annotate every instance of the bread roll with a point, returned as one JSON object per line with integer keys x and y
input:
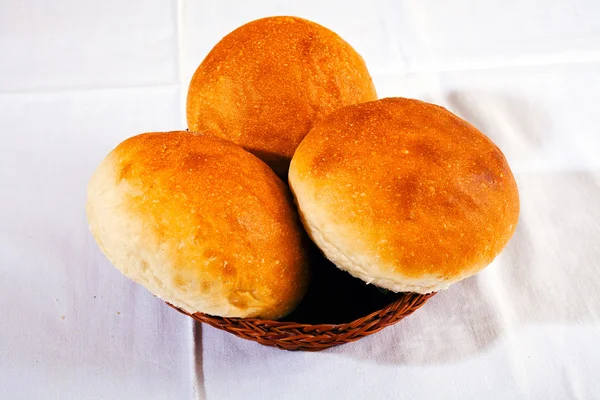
{"x": 265, "y": 84}
{"x": 201, "y": 223}
{"x": 404, "y": 194}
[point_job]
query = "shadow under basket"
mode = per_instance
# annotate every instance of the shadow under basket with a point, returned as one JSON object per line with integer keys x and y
{"x": 337, "y": 309}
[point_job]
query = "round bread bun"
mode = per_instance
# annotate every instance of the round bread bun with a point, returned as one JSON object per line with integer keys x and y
{"x": 201, "y": 223}
{"x": 404, "y": 194}
{"x": 265, "y": 84}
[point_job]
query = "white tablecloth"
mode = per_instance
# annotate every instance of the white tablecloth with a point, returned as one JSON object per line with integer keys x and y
{"x": 77, "y": 77}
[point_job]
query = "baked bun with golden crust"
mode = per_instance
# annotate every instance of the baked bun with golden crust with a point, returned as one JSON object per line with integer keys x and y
{"x": 265, "y": 84}
{"x": 201, "y": 223}
{"x": 404, "y": 194}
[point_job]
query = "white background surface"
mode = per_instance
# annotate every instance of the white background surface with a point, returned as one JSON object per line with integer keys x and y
{"x": 77, "y": 77}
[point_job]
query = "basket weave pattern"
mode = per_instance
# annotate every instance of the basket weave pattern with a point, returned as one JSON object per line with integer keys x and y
{"x": 308, "y": 337}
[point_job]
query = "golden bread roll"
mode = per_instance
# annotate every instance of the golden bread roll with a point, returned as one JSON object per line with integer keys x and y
{"x": 201, "y": 223}
{"x": 265, "y": 84}
{"x": 404, "y": 194}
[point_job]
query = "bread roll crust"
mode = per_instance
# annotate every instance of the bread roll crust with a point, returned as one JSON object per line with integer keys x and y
{"x": 201, "y": 223}
{"x": 265, "y": 84}
{"x": 404, "y": 194}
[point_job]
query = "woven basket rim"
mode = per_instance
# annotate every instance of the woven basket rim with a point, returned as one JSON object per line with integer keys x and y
{"x": 324, "y": 326}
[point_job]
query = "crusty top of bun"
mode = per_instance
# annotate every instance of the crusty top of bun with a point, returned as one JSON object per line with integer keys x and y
{"x": 201, "y": 223}
{"x": 265, "y": 84}
{"x": 404, "y": 194}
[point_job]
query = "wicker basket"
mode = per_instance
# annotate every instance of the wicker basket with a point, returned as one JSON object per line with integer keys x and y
{"x": 337, "y": 309}
{"x": 308, "y": 337}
